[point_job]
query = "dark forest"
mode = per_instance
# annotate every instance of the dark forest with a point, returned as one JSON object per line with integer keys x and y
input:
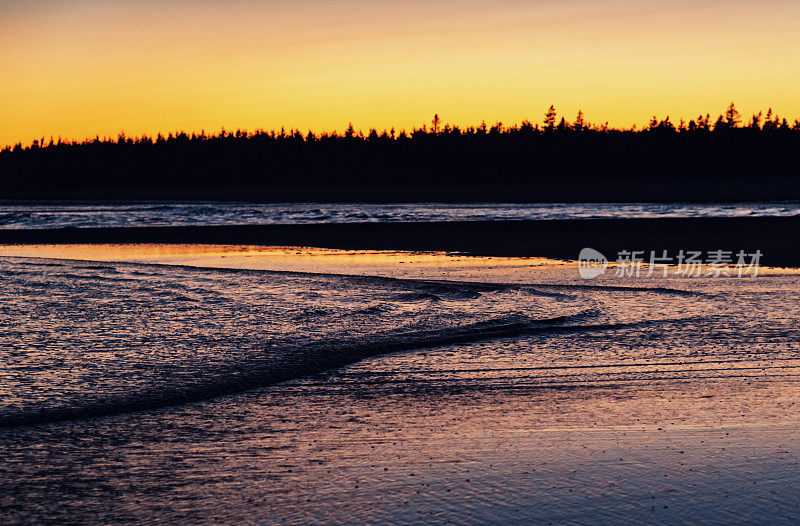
{"x": 701, "y": 154}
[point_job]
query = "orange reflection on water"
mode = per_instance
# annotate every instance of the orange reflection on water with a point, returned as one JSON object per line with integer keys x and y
{"x": 300, "y": 259}
{"x": 400, "y": 264}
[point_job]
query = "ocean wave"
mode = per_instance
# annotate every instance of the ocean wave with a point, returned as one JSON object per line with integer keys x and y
{"x": 302, "y": 361}
{"x": 35, "y": 215}
{"x": 103, "y": 346}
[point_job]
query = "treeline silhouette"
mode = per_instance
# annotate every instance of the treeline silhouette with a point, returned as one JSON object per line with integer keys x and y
{"x": 722, "y": 150}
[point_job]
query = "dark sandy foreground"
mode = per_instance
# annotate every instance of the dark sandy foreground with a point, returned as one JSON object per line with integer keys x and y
{"x": 777, "y": 238}
{"x": 665, "y": 403}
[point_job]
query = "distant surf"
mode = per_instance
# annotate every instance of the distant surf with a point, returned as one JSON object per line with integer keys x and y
{"x": 55, "y": 214}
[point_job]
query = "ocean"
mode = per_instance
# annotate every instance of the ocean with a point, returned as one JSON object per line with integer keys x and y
{"x": 400, "y": 388}
{"x": 54, "y": 214}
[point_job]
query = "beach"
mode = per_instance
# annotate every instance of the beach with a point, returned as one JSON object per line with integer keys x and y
{"x": 443, "y": 262}
{"x": 778, "y": 238}
{"x": 301, "y": 385}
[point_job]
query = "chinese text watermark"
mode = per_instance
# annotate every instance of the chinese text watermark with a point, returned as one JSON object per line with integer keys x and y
{"x": 683, "y": 263}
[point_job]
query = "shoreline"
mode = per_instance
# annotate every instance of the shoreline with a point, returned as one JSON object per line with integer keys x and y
{"x": 778, "y": 238}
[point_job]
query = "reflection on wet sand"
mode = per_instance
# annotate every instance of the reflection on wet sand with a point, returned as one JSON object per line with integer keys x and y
{"x": 300, "y": 259}
{"x": 671, "y": 401}
{"x": 431, "y": 265}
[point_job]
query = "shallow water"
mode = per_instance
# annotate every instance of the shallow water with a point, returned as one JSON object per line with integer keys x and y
{"x": 49, "y": 214}
{"x": 84, "y": 339}
{"x": 335, "y": 398}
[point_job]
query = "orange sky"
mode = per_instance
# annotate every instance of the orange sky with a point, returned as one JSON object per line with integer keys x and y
{"x": 88, "y": 67}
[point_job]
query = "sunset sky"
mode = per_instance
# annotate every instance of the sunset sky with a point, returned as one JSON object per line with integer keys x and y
{"x": 82, "y": 68}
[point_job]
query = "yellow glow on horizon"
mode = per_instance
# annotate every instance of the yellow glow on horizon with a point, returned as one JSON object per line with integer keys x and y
{"x": 90, "y": 68}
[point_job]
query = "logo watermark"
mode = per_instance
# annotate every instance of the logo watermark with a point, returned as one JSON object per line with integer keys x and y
{"x": 684, "y": 263}
{"x": 591, "y": 263}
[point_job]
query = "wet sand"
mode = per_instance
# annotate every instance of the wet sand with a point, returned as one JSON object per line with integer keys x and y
{"x": 672, "y": 408}
{"x": 777, "y": 238}
{"x": 388, "y": 263}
